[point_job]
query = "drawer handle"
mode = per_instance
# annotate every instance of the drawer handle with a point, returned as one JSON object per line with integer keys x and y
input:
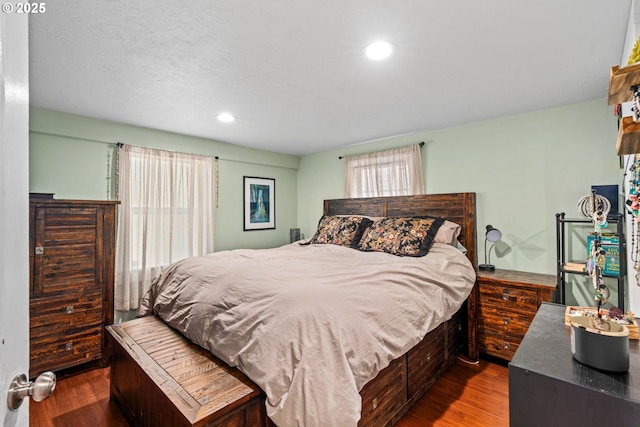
{"x": 428, "y": 357}
{"x": 506, "y": 346}
{"x": 506, "y": 321}
{"x": 459, "y": 328}
{"x": 69, "y": 309}
{"x": 68, "y": 346}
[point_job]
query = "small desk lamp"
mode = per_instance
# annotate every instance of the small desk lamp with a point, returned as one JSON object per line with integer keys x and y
{"x": 492, "y": 235}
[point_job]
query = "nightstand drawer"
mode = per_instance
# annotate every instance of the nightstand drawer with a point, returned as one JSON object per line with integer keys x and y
{"x": 509, "y": 297}
{"x": 500, "y": 321}
{"x": 502, "y": 346}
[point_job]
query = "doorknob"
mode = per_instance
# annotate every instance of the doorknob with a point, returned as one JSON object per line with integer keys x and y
{"x": 39, "y": 389}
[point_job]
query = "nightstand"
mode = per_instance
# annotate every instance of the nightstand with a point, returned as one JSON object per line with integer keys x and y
{"x": 508, "y": 302}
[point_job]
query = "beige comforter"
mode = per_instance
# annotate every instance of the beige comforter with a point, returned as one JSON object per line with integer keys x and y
{"x": 311, "y": 324}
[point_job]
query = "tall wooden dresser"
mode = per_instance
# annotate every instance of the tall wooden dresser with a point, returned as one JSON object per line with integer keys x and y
{"x": 72, "y": 245}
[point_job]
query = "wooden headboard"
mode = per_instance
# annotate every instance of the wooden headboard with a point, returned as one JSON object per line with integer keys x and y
{"x": 457, "y": 207}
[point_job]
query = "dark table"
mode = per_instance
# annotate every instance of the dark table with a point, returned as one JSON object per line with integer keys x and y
{"x": 549, "y": 388}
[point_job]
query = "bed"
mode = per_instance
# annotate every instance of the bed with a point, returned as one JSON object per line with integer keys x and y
{"x": 325, "y": 374}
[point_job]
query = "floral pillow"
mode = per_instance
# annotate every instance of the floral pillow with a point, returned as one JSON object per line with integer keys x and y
{"x": 401, "y": 236}
{"x": 340, "y": 230}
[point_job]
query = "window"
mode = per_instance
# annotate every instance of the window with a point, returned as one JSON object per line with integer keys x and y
{"x": 395, "y": 172}
{"x": 166, "y": 214}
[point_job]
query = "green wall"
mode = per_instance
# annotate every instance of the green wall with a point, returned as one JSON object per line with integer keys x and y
{"x": 73, "y": 157}
{"x": 524, "y": 169}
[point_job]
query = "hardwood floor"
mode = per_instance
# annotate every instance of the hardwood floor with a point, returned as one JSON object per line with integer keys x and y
{"x": 467, "y": 395}
{"x": 81, "y": 400}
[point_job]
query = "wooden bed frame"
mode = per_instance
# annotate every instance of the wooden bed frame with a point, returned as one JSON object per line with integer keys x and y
{"x": 159, "y": 379}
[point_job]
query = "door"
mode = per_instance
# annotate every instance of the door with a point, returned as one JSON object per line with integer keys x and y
{"x": 14, "y": 210}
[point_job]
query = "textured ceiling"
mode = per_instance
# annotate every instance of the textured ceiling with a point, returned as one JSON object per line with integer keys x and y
{"x": 294, "y": 74}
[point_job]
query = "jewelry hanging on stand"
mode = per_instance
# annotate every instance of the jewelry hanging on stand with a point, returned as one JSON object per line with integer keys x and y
{"x": 633, "y": 207}
{"x": 596, "y": 208}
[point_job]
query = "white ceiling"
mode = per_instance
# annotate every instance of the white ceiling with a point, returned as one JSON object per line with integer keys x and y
{"x": 294, "y": 74}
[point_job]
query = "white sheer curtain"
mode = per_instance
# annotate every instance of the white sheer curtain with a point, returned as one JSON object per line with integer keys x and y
{"x": 395, "y": 172}
{"x": 167, "y": 213}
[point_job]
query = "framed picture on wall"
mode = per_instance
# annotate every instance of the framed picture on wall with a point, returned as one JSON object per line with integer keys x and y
{"x": 259, "y": 203}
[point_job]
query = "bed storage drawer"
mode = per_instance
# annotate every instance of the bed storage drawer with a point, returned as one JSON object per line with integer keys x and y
{"x": 385, "y": 396}
{"x": 159, "y": 378}
{"x": 456, "y": 332}
{"x": 424, "y": 360}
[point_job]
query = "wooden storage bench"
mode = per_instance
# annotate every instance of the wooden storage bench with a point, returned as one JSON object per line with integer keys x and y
{"x": 159, "y": 378}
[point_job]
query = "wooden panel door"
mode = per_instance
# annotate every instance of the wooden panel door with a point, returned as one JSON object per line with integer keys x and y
{"x": 68, "y": 249}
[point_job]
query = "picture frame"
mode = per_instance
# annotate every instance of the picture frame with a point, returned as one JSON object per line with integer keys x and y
{"x": 259, "y": 207}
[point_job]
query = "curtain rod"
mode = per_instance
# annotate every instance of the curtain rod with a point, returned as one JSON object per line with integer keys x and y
{"x": 256, "y": 163}
{"x": 73, "y": 137}
{"x": 119, "y": 144}
{"x": 421, "y": 144}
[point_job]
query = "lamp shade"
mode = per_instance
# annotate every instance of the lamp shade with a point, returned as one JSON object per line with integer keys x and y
{"x": 493, "y": 234}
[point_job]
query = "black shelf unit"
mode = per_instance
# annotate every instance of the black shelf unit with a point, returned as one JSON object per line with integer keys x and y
{"x": 561, "y": 221}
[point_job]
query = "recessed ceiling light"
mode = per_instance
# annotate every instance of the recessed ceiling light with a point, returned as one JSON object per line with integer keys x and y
{"x": 225, "y": 117}
{"x": 378, "y": 50}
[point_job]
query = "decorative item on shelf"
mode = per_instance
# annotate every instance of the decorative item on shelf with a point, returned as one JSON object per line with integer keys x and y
{"x": 624, "y": 85}
{"x": 612, "y": 194}
{"x": 492, "y": 235}
{"x": 615, "y": 314}
{"x": 635, "y": 53}
{"x": 600, "y": 343}
{"x": 597, "y": 341}
{"x": 609, "y": 243}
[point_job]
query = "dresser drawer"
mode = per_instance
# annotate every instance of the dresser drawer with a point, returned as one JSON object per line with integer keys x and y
{"x": 63, "y": 313}
{"x": 502, "y": 346}
{"x": 65, "y": 350}
{"x": 501, "y": 321}
{"x": 509, "y": 297}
